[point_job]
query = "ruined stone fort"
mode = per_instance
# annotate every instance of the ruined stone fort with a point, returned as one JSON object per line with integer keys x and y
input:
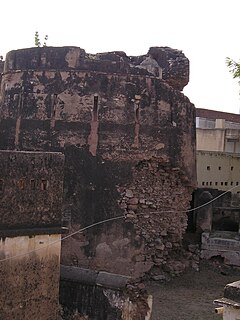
{"x": 92, "y": 137}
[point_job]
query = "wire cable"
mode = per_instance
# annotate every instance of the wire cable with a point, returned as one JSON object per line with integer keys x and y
{"x": 201, "y": 206}
{"x": 64, "y": 238}
{"x": 210, "y": 201}
{"x": 107, "y": 220}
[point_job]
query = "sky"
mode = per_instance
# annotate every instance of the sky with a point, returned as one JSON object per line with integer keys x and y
{"x": 207, "y": 31}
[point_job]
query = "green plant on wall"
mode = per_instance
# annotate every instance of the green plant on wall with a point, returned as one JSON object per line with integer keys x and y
{"x": 38, "y": 42}
{"x": 234, "y": 67}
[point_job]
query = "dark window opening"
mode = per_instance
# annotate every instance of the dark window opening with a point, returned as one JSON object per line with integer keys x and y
{"x": 221, "y": 183}
{"x": 137, "y": 114}
{"x": 95, "y": 108}
{"x": 226, "y": 223}
{"x": 236, "y": 183}
{"x": 231, "y": 183}
{"x": 216, "y": 183}
{"x": 208, "y": 167}
{"x": 54, "y": 103}
{"x": 203, "y": 183}
{"x": 44, "y": 184}
{"x": 219, "y": 168}
{"x": 226, "y": 183}
{"x": 206, "y": 183}
{"x": 21, "y": 184}
{"x": 32, "y": 184}
{"x": 231, "y": 168}
{"x": 210, "y": 183}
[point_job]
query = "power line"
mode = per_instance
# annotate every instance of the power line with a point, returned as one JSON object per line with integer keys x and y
{"x": 214, "y": 199}
{"x": 64, "y": 238}
{"x": 201, "y": 206}
{"x": 107, "y": 220}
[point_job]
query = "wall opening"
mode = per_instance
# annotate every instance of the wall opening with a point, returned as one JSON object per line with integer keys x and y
{"x": 44, "y": 184}
{"x": 137, "y": 114}
{"x": 21, "y": 184}
{"x": 32, "y": 184}
{"x": 95, "y": 108}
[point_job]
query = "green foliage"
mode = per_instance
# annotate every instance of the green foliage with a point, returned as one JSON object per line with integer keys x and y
{"x": 45, "y": 42}
{"x": 234, "y": 67}
{"x": 37, "y": 40}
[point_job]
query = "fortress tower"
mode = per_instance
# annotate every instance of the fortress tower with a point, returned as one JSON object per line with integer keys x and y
{"x": 128, "y": 135}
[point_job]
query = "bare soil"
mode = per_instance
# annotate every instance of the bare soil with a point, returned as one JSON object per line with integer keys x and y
{"x": 191, "y": 295}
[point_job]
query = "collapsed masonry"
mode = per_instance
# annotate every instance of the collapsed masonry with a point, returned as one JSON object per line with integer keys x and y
{"x": 128, "y": 135}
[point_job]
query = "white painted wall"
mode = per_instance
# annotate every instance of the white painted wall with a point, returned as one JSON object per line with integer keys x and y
{"x": 45, "y": 246}
{"x": 231, "y": 313}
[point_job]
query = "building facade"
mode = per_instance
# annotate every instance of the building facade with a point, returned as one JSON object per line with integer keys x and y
{"x": 218, "y": 150}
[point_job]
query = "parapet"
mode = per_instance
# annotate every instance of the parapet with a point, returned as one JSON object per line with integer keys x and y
{"x": 165, "y": 63}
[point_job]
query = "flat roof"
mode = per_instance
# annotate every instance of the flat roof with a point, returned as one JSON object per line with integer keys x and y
{"x": 213, "y": 114}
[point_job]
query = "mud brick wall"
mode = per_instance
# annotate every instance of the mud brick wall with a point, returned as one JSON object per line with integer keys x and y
{"x": 30, "y": 283}
{"x": 31, "y": 185}
{"x": 129, "y": 142}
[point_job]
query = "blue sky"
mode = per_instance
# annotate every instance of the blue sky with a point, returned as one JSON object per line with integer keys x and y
{"x": 207, "y": 31}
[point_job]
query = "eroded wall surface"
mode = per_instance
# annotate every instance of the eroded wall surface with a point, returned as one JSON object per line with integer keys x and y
{"x": 129, "y": 142}
{"x": 29, "y": 283}
{"x": 31, "y": 185}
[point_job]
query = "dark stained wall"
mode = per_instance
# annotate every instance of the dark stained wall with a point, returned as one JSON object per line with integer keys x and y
{"x": 129, "y": 142}
{"x": 30, "y": 184}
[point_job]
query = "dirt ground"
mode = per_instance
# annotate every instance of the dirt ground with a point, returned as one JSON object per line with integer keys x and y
{"x": 190, "y": 296}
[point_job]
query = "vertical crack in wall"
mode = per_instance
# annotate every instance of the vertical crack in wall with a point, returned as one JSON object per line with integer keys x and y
{"x": 54, "y": 98}
{"x": 137, "y": 124}
{"x": 93, "y": 136}
{"x": 18, "y": 120}
{"x": 149, "y": 84}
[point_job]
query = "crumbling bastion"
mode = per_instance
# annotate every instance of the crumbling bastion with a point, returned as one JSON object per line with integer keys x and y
{"x": 128, "y": 135}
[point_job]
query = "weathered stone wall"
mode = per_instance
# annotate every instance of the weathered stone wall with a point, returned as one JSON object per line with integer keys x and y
{"x": 161, "y": 62}
{"x": 1, "y": 66}
{"x": 31, "y": 185}
{"x": 30, "y": 283}
{"x": 1, "y": 71}
{"x": 129, "y": 142}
